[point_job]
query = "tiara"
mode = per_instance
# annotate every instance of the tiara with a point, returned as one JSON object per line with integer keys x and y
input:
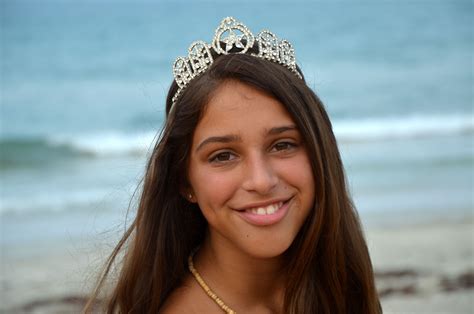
{"x": 231, "y": 37}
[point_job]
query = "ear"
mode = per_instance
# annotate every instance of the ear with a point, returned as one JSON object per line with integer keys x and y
{"x": 188, "y": 194}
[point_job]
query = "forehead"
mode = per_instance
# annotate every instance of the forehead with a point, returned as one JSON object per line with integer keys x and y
{"x": 237, "y": 107}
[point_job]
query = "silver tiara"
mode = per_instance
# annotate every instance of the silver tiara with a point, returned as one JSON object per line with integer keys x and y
{"x": 231, "y": 37}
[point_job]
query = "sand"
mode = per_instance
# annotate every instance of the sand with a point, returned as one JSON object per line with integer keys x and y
{"x": 425, "y": 268}
{"x": 422, "y": 268}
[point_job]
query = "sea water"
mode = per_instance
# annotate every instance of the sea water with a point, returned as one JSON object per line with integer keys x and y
{"x": 83, "y": 87}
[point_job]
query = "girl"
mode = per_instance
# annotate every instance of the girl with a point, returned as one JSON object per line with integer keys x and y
{"x": 244, "y": 205}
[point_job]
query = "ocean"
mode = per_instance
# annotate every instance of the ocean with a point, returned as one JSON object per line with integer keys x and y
{"x": 83, "y": 87}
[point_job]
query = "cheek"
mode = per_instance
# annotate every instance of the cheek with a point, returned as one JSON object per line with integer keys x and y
{"x": 299, "y": 174}
{"x": 213, "y": 188}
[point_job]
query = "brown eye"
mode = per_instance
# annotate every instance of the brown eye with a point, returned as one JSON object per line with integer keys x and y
{"x": 283, "y": 146}
{"x": 222, "y": 157}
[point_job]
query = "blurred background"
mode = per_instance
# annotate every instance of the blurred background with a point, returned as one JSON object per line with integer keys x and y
{"x": 82, "y": 91}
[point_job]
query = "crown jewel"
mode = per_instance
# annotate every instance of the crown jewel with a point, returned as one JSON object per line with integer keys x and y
{"x": 231, "y": 37}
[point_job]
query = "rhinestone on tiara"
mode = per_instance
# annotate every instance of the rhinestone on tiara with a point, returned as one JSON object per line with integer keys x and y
{"x": 231, "y": 37}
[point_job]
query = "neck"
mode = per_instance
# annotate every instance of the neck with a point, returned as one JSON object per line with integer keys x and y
{"x": 240, "y": 279}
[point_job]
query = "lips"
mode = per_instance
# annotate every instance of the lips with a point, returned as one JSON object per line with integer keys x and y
{"x": 265, "y": 215}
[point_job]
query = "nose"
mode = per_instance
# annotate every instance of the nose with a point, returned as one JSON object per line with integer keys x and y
{"x": 259, "y": 175}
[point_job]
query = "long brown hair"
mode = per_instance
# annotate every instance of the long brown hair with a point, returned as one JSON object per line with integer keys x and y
{"x": 329, "y": 269}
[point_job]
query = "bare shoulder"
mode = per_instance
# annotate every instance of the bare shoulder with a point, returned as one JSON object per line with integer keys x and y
{"x": 185, "y": 299}
{"x": 179, "y": 300}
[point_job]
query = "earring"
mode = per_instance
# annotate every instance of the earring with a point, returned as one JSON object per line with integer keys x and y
{"x": 190, "y": 196}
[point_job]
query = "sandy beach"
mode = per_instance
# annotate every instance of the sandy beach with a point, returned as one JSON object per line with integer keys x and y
{"x": 425, "y": 268}
{"x": 422, "y": 268}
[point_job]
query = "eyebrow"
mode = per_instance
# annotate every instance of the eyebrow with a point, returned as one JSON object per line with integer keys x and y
{"x": 281, "y": 129}
{"x": 236, "y": 138}
{"x": 219, "y": 139}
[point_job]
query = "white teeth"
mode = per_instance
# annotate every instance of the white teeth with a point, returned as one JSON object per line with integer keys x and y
{"x": 271, "y": 209}
{"x": 267, "y": 210}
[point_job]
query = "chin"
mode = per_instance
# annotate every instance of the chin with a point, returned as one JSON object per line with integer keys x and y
{"x": 267, "y": 250}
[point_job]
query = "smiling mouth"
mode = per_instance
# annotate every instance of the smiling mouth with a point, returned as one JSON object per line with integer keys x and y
{"x": 266, "y": 215}
{"x": 265, "y": 210}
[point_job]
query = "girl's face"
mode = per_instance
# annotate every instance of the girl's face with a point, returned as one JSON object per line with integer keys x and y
{"x": 249, "y": 172}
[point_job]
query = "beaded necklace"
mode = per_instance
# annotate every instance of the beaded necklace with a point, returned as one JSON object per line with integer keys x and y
{"x": 206, "y": 288}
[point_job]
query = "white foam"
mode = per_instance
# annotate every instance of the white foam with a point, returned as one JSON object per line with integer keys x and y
{"x": 108, "y": 143}
{"x": 370, "y": 129}
{"x": 53, "y": 202}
